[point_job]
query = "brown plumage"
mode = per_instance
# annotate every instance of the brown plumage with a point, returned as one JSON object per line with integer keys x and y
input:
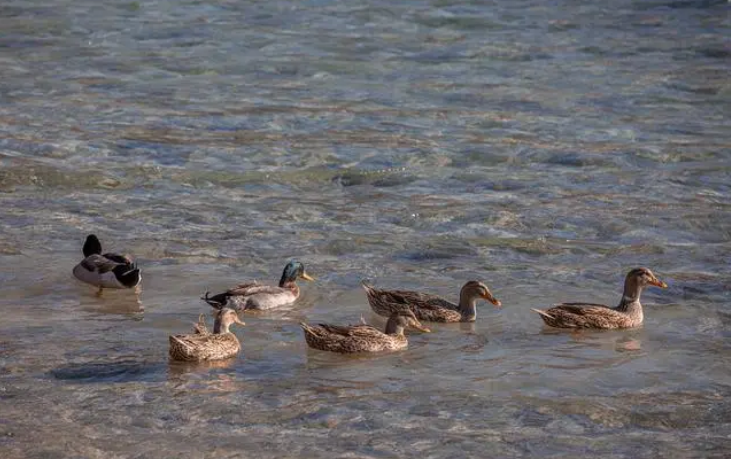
{"x": 200, "y": 328}
{"x": 627, "y": 314}
{"x": 430, "y": 308}
{"x": 351, "y": 339}
{"x": 221, "y": 344}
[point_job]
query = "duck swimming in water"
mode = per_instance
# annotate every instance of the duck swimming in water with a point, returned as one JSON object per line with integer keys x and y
{"x": 430, "y": 308}
{"x": 109, "y": 270}
{"x": 350, "y": 339}
{"x": 627, "y": 314}
{"x": 202, "y": 345}
{"x": 254, "y": 295}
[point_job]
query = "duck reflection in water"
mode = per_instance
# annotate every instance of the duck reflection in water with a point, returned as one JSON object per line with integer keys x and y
{"x": 114, "y": 303}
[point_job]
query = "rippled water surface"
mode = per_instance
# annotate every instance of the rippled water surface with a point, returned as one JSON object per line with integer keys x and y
{"x": 544, "y": 147}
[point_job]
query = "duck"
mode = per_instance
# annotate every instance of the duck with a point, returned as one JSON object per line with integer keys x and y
{"x": 254, "y": 295}
{"x": 109, "y": 270}
{"x": 351, "y": 339}
{"x": 431, "y": 308}
{"x": 628, "y": 314}
{"x": 202, "y": 345}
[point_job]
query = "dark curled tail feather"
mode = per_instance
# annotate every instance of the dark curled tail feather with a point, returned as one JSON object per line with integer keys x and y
{"x": 216, "y": 301}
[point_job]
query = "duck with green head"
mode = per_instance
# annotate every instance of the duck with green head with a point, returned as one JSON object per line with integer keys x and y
{"x": 254, "y": 295}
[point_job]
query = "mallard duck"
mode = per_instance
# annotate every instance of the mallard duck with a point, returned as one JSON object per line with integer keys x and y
{"x": 201, "y": 345}
{"x": 431, "y": 308}
{"x": 351, "y": 339}
{"x": 257, "y": 296}
{"x": 587, "y": 315}
{"x": 110, "y": 270}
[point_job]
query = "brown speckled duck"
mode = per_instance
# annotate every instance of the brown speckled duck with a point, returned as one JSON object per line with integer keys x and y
{"x": 201, "y": 345}
{"x": 431, "y": 308}
{"x": 587, "y": 315}
{"x": 352, "y": 339}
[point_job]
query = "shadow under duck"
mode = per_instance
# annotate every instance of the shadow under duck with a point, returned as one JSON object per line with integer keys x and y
{"x": 351, "y": 339}
{"x": 430, "y": 308}
{"x": 254, "y": 295}
{"x": 627, "y": 314}
{"x": 202, "y": 345}
{"x": 109, "y": 270}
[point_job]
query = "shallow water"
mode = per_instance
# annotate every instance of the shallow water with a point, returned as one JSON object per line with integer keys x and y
{"x": 542, "y": 147}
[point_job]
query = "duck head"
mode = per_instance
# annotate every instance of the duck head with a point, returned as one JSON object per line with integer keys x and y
{"x": 474, "y": 290}
{"x": 224, "y": 319}
{"x": 293, "y": 271}
{"x": 637, "y": 280}
{"x": 92, "y": 246}
{"x": 401, "y": 320}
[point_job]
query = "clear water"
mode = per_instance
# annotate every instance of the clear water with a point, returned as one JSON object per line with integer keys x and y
{"x": 544, "y": 147}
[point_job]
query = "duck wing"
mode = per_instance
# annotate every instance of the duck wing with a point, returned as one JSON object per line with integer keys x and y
{"x": 98, "y": 263}
{"x": 240, "y": 292}
{"x": 418, "y": 299}
{"x": 266, "y": 297}
{"x": 580, "y": 308}
{"x": 349, "y": 339}
{"x": 245, "y": 288}
{"x": 253, "y": 289}
{"x": 203, "y": 347}
{"x": 117, "y": 258}
{"x": 350, "y": 330}
{"x": 584, "y": 315}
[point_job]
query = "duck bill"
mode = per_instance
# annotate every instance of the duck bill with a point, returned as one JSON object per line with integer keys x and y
{"x": 421, "y": 328}
{"x": 493, "y": 300}
{"x": 307, "y": 277}
{"x": 239, "y": 321}
{"x": 658, "y": 283}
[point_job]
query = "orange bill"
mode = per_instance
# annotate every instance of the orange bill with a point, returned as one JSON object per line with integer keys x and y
{"x": 306, "y": 277}
{"x": 658, "y": 283}
{"x": 421, "y": 328}
{"x": 493, "y": 300}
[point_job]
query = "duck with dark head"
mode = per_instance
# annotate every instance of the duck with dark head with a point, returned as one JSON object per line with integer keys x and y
{"x": 627, "y": 314}
{"x": 109, "y": 270}
{"x": 254, "y": 295}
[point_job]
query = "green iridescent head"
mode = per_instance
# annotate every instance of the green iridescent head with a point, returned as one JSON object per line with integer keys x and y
{"x": 293, "y": 271}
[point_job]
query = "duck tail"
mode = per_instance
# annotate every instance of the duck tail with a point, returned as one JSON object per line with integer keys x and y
{"x": 200, "y": 328}
{"x": 366, "y": 285}
{"x": 214, "y": 300}
{"x": 131, "y": 277}
{"x": 543, "y": 313}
